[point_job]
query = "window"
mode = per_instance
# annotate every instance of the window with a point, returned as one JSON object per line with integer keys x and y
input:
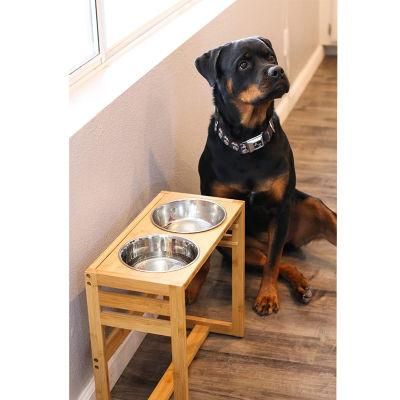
{"x": 84, "y": 38}
{"x": 101, "y": 28}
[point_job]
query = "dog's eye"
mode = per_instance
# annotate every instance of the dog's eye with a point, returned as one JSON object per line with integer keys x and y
{"x": 271, "y": 58}
{"x": 243, "y": 64}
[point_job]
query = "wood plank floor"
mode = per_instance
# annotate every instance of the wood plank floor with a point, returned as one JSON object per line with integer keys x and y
{"x": 289, "y": 355}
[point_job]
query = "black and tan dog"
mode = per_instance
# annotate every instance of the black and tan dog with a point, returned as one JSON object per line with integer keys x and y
{"x": 248, "y": 157}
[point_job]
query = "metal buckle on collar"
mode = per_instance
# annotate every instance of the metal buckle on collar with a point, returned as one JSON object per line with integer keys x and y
{"x": 255, "y": 143}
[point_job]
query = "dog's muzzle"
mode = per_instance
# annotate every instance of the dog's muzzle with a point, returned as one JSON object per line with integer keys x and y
{"x": 276, "y": 72}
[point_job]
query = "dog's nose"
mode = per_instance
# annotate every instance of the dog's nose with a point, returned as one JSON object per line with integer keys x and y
{"x": 276, "y": 72}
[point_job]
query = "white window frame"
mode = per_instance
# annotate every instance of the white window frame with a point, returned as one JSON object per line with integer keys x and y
{"x": 105, "y": 54}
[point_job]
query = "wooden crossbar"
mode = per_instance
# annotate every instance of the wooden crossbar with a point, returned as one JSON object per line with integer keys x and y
{"x": 104, "y": 279}
{"x": 165, "y": 386}
{"x": 114, "y": 340}
{"x": 227, "y": 240}
{"x": 226, "y": 243}
{"x": 118, "y": 335}
{"x": 216, "y": 326}
{"x": 136, "y": 323}
{"x": 134, "y": 303}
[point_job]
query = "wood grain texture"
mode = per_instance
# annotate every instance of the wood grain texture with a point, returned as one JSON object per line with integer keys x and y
{"x": 134, "y": 303}
{"x": 286, "y": 356}
{"x": 97, "y": 340}
{"x": 179, "y": 343}
{"x": 135, "y": 322}
{"x": 165, "y": 387}
{"x": 216, "y": 326}
{"x": 113, "y": 273}
{"x": 238, "y": 275}
{"x": 114, "y": 340}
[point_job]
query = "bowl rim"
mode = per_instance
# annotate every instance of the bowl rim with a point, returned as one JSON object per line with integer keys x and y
{"x": 188, "y": 199}
{"x": 159, "y": 235}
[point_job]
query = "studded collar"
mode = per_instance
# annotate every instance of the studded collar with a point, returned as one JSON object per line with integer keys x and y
{"x": 248, "y": 146}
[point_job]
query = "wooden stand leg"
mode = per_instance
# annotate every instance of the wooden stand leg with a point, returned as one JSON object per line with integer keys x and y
{"x": 178, "y": 341}
{"x": 100, "y": 367}
{"x": 238, "y": 271}
{"x": 165, "y": 386}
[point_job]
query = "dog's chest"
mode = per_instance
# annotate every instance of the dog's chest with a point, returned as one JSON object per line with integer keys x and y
{"x": 247, "y": 169}
{"x": 260, "y": 177}
{"x": 264, "y": 191}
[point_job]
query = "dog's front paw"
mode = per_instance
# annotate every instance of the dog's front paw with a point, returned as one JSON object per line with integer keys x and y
{"x": 267, "y": 301}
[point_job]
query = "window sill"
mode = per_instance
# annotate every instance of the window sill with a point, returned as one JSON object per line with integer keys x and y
{"x": 96, "y": 91}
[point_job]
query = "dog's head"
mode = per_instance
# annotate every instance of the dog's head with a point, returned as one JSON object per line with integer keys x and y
{"x": 245, "y": 71}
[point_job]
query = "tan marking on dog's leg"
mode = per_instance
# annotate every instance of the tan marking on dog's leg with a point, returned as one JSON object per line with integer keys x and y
{"x": 274, "y": 187}
{"x": 279, "y": 186}
{"x": 297, "y": 280}
{"x": 256, "y": 256}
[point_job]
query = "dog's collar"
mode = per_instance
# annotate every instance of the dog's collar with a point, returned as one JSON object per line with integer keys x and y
{"x": 248, "y": 146}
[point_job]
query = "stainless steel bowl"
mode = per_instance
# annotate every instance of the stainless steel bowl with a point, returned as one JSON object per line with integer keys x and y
{"x": 188, "y": 216}
{"x": 158, "y": 253}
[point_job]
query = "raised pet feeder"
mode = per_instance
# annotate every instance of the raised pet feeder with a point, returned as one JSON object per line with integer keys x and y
{"x": 153, "y": 269}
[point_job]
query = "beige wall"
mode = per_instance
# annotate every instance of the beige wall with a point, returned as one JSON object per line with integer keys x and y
{"x": 304, "y": 32}
{"x": 151, "y": 137}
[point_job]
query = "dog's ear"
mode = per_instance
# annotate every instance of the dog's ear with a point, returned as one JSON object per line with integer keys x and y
{"x": 207, "y": 65}
{"x": 269, "y": 44}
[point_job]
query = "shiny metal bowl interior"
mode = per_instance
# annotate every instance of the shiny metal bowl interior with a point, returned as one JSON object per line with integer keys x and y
{"x": 188, "y": 216}
{"x": 158, "y": 253}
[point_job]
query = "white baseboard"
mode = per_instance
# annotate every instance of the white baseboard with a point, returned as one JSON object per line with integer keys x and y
{"x": 116, "y": 364}
{"x": 300, "y": 83}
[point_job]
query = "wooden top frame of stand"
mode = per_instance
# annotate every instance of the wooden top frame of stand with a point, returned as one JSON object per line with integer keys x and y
{"x": 110, "y": 271}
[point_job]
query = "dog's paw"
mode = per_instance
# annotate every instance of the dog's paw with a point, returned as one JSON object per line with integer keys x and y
{"x": 267, "y": 301}
{"x": 304, "y": 293}
{"x": 302, "y": 290}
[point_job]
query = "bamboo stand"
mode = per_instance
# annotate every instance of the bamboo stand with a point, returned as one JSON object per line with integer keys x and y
{"x": 127, "y": 310}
